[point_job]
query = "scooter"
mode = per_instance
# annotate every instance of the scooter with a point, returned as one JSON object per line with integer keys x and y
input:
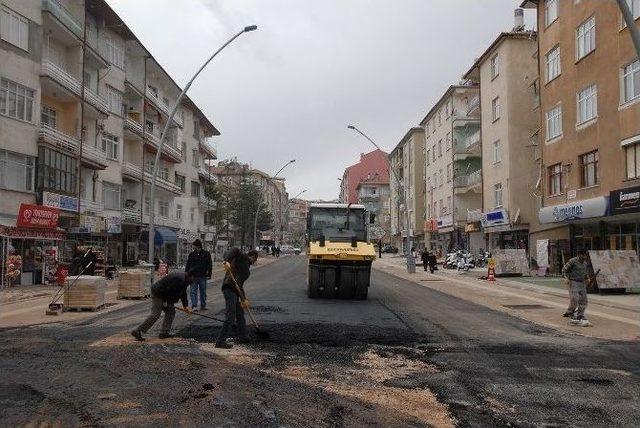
{"x": 465, "y": 261}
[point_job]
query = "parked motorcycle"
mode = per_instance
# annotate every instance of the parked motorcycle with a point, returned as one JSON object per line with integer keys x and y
{"x": 465, "y": 261}
{"x": 483, "y": 258}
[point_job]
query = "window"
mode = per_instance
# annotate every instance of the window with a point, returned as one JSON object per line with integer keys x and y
{"x": 192, "y": 215}
{"x": 441, "y": 207}
{"x": 114, "y": 52}
{"x": 56, "y": 171}
{"x": 448, "y": 141}
{"x": 16, "y": 171}
{"x": 550, "y": 12}
{"x": 147, "y": 204}
{"x": 114, "y": 101}
{"x": 449, "y": 173}
{"x": 14, "y": 29}
{"x": 163, "y": 209}
{"x": 554, "y": 122}
{"x": 633, "y": 161}
{"x": 111, "y": 196}
{"x": 497, "y": 151}
{"x": 497, "y": 194}
{"x": 195, "y": 188}
{"x": 110, "y": 145}
{"x": 440, "y": 148}
{"x": 589, "y": 169}
{"x": 48, "y": 117}
{"x": 180, "y": 181}
{"x": 150, "y": 126}
{"x": 16, "y": 101}
{"x": 441, "y": 178}
{"x": 428, "y": 157}
{"x": 630, "y": 82}
{"x": 429, "y": 183}
{"x": 495, "y": 66}
{"x": 495, "y": 109}
{"x": 555, "y": 179}
{"x": 587, "y": 104}
{"x": 634, "y": 6}
{"x": 586, "y": 37}
{"x": 552, "y": 60}
{"x": 196, "y": 129}
{"x": 195, "y": 158}
{"x": 164, "y": 172}
{"x": 183, "y": 151}
{"x": 178, "y": 212}
{"x": 433, "y": 153}
{"x": 435, "y": 180}
{"x": 448, "y": 209}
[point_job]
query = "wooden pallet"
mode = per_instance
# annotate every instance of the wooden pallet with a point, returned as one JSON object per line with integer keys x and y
{"x": 87, "y": 293}
{"x": 134, "y": 284}
{"x": 84, "y": 308}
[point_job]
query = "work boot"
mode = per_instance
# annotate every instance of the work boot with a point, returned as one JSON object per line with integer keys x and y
{"x": 567, "y": 314}
{"x": 166, "y": 335}
{"x": 137, "y": 335}
{"x": 224, "y": 345}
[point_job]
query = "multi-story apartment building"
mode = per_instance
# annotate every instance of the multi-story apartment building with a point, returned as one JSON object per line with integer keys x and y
{"x": 82, "y": 105}
{"x": 297, "y": 225}
{"x": 407, "y": 160}
{"x": 590, "y": 133}
{"x": 372, "y": 164}
{"x": 453, "y": 170}
{"x": 373, "y": 193}
{"x": 507, "y": 73}
{"x": 232, "y": 173}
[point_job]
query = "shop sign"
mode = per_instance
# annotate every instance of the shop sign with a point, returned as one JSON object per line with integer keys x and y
{"x": 431, "y": 225}
{"x": 62, "y": 202}
{"x": 113, "y": 224}
{"x": 187, "y": 235}
{"x": 588, "y": 208}
{"x": 445, "y": 221}
{"x": 495, "y": 218}
{"x": 208, "y": 237}
{"x": 625, "y": 200}
{"x": 45, "y": 235}
{"x": 37, "y": 216}
{"x": 89, "y": 224}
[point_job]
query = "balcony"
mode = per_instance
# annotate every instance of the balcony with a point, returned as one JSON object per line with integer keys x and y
{"x": 474, "y": 106}
{"x": 131, "y": 172}
{"x": 163, "y": 183}
{"x": 162, "y": 106}
{"x": 208, "y": 149}
{"x": 468, "y": 183}
{"x": 64, "y": 16}
{"x": 65, "y": 79}
{"x": 207, "y": 202}
{"x": 162, "y": 221}
{"x": 169, "y": 148}
{"x": 134, "y": 128}
{"x": 90, "y": 207}
{"x": 91, "y": 156}
{"x": 204, "y": 173}
{"x": 131, "y": 215}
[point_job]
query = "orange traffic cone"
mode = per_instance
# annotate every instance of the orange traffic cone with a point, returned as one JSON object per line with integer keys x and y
{"x": 491, "y": 274}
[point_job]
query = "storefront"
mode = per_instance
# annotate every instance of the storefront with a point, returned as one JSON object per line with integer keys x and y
{"x": 623, "y": 226}
{"x": 501, "y": 234}
{"x": 29, "y": 251}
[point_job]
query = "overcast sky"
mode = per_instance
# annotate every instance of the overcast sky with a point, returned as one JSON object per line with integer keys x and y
{"x": 288, "y": 90}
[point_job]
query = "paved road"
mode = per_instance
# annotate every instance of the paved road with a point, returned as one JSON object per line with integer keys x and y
{"x": 409, "y": 356}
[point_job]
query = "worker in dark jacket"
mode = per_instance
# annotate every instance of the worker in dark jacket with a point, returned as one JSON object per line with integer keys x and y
{"x": 199, "y": 262}
{"x": 575, "y": 272}
{"x": 238, "y": 263}
{"x": 164, "y": 293}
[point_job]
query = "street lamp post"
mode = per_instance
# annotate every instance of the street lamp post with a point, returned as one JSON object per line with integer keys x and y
{"x": 300, "y": 193}
{"x": 255, "y": 218}
{"x": 156, "y": 164}
{"x": 403, "y": 194}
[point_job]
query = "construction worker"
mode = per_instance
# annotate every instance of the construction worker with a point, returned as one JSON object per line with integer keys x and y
{"x": 575, "y": 272}
{"x": 237, "y": 264}
{"x": 164, "y": 293}
{"x": 199, "y": 262}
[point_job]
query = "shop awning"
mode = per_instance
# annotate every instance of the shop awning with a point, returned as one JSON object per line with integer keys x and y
{"x": 164, "y": 235}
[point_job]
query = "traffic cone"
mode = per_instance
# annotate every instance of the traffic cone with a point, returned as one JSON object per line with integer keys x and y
{"x": 491, "y": 274}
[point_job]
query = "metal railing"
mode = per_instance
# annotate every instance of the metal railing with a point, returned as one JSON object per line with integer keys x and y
{"x": 94, "y": 155}
{"x": 60, "y": 75}
{"x": 131, "y": 214}
{"x": 134, "y": 126}
{"x": 71, "y": 145}
{"x": 162, "y": 106}
{"x": 209, "y": 148}
{"x": 131, "y": 170}
{"x": 96, "y": 100}
{"x": 91, "y": 206}
{"x": 473, "y": 105}
{"x": 63, "y": 15}
{"x": 165, "y": 184}
{"x": 468, "y": 180}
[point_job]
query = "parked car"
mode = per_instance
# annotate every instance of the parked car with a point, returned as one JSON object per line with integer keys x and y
{"x": 296, "y": 250}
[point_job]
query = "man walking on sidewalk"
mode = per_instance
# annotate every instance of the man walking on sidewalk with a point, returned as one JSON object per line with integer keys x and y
{"x": 164, "y": 293}
{"x": 575, "y": 271}
{"x": 199, "y": 262}
{"x": 235, "y": 302}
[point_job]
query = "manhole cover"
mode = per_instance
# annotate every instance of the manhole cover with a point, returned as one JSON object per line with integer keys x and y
{"x": 526, "y": 306}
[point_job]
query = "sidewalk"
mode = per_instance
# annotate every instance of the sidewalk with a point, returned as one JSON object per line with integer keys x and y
{"x": 612, "y": 316}
{"x": 26, "y": 305}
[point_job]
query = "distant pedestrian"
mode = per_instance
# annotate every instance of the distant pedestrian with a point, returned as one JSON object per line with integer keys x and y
{"x": 575, "y": 271}
{"x": 380, "y": 249}
{"x": 239, "y": 264}
{"x": 277, "y": 251}
{"x": 425, "y": 259}
{"x": 433, "y": 263}
{"x": 199, "y": 262}
{"x": 164, "y": 293}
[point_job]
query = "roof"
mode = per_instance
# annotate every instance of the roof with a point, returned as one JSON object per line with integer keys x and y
{"x": 529, "y": 4}
{"x": 372, "y": 164}
{"x": 496, "y": 42}
{"x": 117, "y": 25}
{"x": 404, "y": 139}
{"x": 372, "y": 183}
{"x": 332, "y": 205}
{"x": 444, "y": 96}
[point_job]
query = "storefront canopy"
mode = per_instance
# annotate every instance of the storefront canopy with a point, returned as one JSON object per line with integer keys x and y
{"x": 164, "y": 235}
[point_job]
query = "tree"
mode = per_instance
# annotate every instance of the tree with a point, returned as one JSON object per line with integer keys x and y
{"x": 217, "y": 216}
{"x": 244, "y": 200}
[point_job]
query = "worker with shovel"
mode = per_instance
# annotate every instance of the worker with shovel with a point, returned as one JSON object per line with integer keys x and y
{"x": 237, "y": 266}
{"x": 164, "y": 293}
{"x": 575, "y": 272}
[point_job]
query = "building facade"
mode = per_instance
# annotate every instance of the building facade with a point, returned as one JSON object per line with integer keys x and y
{"x": 82, "y": 105}
{"x": 372, "y": 164}
{"x": 590, "y": 130}
{"x": 374, "y": 195}
{"x": 453, "y": 170}
{"x": 407, "y": 161}
{"x": 297, "y": 222}
{"x": 507, "y": 73}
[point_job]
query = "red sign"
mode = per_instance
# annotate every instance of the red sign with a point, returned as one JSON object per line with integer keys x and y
{"x": 38, "y": 216}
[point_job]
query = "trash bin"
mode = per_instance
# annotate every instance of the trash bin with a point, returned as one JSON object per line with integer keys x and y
{"x": 411, "y": 264}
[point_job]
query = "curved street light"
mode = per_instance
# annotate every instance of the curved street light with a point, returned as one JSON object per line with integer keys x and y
{"x": 255, "y": 218}
{"x": 300, "y": 193}
{"x": 403, "y": 194}
{"x": 156, "y": 164}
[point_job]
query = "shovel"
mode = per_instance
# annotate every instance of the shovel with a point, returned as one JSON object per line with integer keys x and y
{"x": 199, "y": 314}
{"x": 259, "y": 332}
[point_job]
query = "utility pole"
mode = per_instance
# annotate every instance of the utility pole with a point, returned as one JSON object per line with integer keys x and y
{"x": 631, "y": 24}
